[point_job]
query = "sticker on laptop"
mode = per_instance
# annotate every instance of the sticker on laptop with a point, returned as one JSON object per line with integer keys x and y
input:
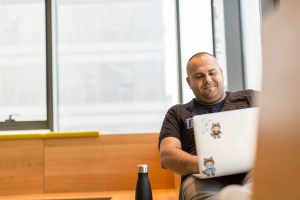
{"x": 215, "y": 130}
{"x": 205, "y": 129}
{"x": 209, "y": 167}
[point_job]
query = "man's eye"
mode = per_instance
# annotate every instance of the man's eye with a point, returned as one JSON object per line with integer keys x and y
{"x": 198, "y": 76}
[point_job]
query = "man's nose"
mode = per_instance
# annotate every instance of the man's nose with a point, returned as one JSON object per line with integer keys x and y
{"x": 207, "y": 79}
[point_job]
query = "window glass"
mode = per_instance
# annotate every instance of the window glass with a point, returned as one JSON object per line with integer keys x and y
{"x": 22, "y": 60}
{"x": 117, "y": 69}
{"x": 219, "y": 37}
{"x": 251, "y": 26}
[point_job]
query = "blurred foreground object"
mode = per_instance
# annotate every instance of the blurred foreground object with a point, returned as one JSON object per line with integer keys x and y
{"x": 277, "y": 167}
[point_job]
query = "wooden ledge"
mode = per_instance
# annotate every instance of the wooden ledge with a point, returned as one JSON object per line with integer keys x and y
{"x": 49, "y": 135}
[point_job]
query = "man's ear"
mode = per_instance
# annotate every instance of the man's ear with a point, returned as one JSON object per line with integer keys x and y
{"x": 221, "y": 70}
{"x": 188, "y": 81}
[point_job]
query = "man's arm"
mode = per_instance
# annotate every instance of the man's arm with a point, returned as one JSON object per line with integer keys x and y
{"x": 172, "y": 157}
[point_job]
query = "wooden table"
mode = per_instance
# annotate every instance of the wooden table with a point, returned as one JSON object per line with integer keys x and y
{"x": 168, "y": 194}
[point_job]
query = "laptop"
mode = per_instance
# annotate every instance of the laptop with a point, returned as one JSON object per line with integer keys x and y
{"x": 226, "y": 142}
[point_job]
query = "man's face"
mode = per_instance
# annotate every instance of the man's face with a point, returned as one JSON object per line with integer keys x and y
{"x": 205, "y": 78}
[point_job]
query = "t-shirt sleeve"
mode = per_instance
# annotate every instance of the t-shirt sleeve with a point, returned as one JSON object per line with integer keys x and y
{"x": 170, "y": 126}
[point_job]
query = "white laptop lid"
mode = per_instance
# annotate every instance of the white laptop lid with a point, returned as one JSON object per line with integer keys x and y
{"x": 226, "y": 142}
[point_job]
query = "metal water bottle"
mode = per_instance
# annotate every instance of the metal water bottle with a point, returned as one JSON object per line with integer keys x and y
{"x": 143, "y": 188}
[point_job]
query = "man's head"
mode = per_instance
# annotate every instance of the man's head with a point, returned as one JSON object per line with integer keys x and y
{"x": 205, "y": 78}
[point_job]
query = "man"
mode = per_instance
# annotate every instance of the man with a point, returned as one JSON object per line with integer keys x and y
{"x": 176, "y": 141}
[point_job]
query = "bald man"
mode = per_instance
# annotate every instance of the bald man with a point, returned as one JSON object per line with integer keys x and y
{"x": 176, "y": 140}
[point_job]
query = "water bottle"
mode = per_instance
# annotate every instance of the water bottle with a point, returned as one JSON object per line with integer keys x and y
{"x": 143, "y": 188}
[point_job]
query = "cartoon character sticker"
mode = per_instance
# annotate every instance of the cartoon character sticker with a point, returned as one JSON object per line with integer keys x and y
{"x": 215, "y": 130}
{"x": 209, "y": 164}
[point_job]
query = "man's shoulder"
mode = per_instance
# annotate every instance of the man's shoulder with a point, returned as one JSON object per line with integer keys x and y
{"x": 248, "y": 97}
{"x": 243, "y": 93}
{"x": 186, "y": 106}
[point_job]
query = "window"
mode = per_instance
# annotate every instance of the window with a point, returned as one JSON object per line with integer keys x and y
{"x": 251, "y": 26}
{"x": 22, "y": 63}
{"x": 117, "y": 69}
{"x": 114, "y": 64}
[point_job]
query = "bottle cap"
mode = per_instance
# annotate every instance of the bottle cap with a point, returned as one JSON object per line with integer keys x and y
{"x": 142, "y": 168}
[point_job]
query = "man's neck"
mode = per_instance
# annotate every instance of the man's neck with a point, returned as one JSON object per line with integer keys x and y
{"x": 209, "y": 104}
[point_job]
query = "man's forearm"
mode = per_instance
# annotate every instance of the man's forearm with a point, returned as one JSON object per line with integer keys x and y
{"x": 179, "y": 161}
